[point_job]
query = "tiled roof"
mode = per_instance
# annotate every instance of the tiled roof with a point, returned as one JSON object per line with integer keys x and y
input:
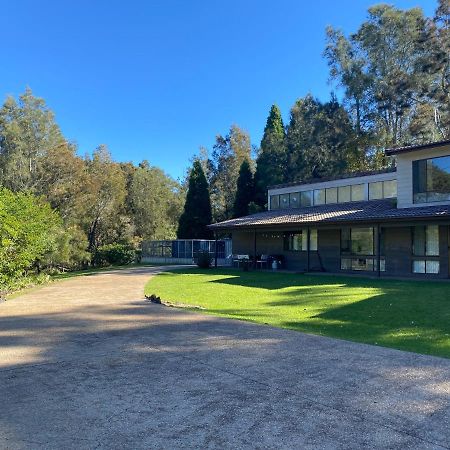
{"x": 412, "y": 148}
{"x": 367, "y": 211}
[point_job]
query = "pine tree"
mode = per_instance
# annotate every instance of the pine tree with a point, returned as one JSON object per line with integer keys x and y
{"x": 197, "y": 209}
{"x": 271, "y": 161}
{"x": 244, "y": 191}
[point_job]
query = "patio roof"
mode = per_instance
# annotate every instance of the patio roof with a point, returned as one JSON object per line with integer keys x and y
{"x": 367, "y": 211}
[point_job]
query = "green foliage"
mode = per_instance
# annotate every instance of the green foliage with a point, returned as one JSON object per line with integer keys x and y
{"x": 156, "y": 203}
{"x": 28, "y": 132}
{"x": 114, "y": 254}
{"x": 321, "y": 141}
{"x": 203, "y": 259}
{"x": 28, "y": 234}
{"x": 197, "y": 209}
{"x": 396, "y": 75}
{"x": 271, "y": 162}
{"x": 228, "y": 154}
{"x": 245, "y": 190}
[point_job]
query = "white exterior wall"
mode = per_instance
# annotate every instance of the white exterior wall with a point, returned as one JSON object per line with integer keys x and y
{"x": 405, "y": 175}
{"x": 335, "y": 183}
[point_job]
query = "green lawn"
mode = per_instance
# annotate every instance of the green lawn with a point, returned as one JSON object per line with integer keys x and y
{"x": 408, "y": 315}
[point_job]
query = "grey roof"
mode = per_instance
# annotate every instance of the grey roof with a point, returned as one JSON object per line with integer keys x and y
{"x": 367, "y": 211}
{"x": 337, "y": 177}
{"x": 412, "y": 148}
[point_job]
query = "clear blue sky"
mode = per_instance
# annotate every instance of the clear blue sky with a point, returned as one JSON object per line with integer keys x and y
{"x": 156, "y": 79}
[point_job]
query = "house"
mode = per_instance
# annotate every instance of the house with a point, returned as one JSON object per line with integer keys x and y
{"x": 394, "y": 222}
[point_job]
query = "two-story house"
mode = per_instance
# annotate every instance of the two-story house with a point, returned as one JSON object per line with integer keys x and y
{"x": 388, "y": 223}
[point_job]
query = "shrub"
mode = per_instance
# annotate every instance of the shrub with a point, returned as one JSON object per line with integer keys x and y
{"x": 115, "y": 254}
{"x": 203, "y": 259}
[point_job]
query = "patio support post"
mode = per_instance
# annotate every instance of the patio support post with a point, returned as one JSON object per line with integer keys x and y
{"x": 378, "y": 250}
{"x": 254, "y": 249}
{"x": 308, "y": 239}
{"x": 215, "y": 249}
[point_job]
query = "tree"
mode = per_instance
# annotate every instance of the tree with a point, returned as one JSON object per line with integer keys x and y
{"x": 378, "y": 67}
{"x": 104, "y": 216}
{"x": 28, "y": 131}
{"x": 228, "y": 154}
{"x": 197, "y": 209}
{"x": 245, "y": 190}
{"x": 28, "y": 230}
{"x": 272, "y": 158}
{"x": 320, "y": 139}
{"x": 156, "y": 203}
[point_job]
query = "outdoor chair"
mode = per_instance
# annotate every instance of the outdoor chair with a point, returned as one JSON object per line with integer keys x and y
{"x": 263, "y": 261}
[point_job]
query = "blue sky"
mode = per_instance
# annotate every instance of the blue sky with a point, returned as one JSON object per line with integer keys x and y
{"x": 156, "y": 79}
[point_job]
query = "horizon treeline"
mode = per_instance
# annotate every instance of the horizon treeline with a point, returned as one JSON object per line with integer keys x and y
{"x": 393, "y": 79}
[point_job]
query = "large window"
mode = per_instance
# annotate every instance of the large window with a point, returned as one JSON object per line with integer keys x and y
{"x": 298, "y": 241}
{"x": 431, "y": 180}
{"x": 425, "y": 244}
{"x": 357, "y": 249}
{"x": 382, "y": 189}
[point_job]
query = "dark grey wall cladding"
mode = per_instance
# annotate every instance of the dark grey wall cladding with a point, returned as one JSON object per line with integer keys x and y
{"x": 398, "y": 251}
{"x": 398, "y": 242}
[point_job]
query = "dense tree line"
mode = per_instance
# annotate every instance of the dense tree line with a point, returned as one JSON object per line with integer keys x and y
{"x": 91, "y": 202}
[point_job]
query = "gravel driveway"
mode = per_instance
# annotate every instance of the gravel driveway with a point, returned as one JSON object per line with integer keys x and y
{"x": 88, "y": 363}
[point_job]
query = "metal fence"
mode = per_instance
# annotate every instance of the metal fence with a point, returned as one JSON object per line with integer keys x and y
{"x": 184, "y": 251}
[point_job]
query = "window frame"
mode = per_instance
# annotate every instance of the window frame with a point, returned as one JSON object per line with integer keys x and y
{"x": 416, "y": 171}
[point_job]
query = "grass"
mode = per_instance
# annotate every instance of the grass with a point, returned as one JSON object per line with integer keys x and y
{"x": 407, "y": 315}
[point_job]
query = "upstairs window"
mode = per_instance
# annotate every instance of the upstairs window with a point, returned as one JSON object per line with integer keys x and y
{"x": 431, "y": 180}
{"x": 382, "y": 189}
{"x": 274, "y": 202}
{"x": 331, "y": 195}
{"x": 357, "y": 192}
{"x": 344, "y": 194}
{"x": 294, "y": 200}
{"x": 319, "y": 197}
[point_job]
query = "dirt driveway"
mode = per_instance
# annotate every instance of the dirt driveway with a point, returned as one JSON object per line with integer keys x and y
{"x": 88, "y": 363}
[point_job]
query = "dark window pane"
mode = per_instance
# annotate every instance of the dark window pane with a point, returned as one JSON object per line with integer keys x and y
{"x": 294, "y": 200}
{"x": 284, "y": 201}
{"x": 362, "y": 241}
{"x": 431, "y": 180}
{"x": 306, "y": 198}
{"x": 345, "y": 240}
{"x": 274, "y": 201}
{"x": 419, "y": 240}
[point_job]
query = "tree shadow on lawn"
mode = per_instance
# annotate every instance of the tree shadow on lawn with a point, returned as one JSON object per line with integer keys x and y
{"x": 396, "y": 318}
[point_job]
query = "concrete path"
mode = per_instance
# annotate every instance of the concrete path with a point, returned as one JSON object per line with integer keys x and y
{"x": 88, "y": 363}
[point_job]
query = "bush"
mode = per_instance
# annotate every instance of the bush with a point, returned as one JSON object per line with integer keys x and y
{"x": 203, "y": 259}
{"x": 115, "y": 254}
